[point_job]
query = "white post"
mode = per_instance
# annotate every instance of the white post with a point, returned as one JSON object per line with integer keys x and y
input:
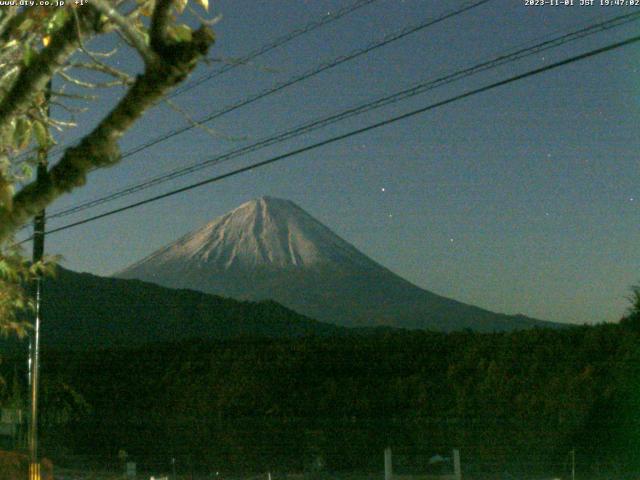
{"x": 457, "y": 471}
{"x": 388, "y": 466}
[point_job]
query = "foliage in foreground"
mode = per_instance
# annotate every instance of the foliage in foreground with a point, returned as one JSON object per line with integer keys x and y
{"x": 46, "y": 67}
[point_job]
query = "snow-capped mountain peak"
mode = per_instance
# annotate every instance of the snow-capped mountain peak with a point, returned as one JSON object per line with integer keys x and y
{"x": 266, "y": 232}
{"x": 270, "y": 248}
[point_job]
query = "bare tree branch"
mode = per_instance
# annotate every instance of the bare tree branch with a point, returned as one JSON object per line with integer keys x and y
{"x": 33, "y": 79}
{"x": 93, "y": 85}
{"x": 196, "y": 124}
{"x": 126, "y": 28}
{"x": 70, "y": 110}
{"x": 204, "y": 21}
{"x": 73, "y": 96}
{"x": 13, "y": 19}
{"x": 173, "y": 63}
{"x": 104, "y": 68}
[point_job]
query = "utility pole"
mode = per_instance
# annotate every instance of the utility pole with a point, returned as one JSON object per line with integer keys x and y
{"x": 573, "y": 464}
{"x": 34, "y": 345}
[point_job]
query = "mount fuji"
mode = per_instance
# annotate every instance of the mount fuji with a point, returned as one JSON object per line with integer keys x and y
{"x": 271, "y": 248}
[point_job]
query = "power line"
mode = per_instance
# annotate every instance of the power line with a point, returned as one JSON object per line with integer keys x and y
{"x": 310, "y": 73}
{"x": 315, "y": 71}
{"x": 273, "y": 45}
{"x": 352, "y": 133}
{"x": 278, "y": 42}
{"x": 370, "y": 105}
{"x": 306, "y": 75}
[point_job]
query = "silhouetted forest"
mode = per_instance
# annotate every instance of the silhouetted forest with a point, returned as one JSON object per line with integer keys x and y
{"x": 511, "y": 402}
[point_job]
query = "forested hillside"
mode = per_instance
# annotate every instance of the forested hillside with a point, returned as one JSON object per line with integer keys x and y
{"x": 511, "y": 402}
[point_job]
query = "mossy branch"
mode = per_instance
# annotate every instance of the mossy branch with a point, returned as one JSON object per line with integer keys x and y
{"x": 171, "y": 65}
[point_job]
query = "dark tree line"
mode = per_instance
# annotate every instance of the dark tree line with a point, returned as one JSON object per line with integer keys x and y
{"x": 516, "y": 402}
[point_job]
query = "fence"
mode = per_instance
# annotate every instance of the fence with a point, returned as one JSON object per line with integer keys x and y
{"x": 442, "y": 468}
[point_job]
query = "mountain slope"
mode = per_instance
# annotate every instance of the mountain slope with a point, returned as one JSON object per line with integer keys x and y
{"x": 84, "y": 311}
{"x": 270, "y": 248}
{"x": 264, "y": 233}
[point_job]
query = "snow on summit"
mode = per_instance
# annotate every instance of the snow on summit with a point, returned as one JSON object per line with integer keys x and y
{"x": 271, "y": 248}
{"x": 266, "y": 232}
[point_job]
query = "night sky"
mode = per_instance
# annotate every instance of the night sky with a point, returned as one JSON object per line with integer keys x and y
{"x": 524, "y": 199}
